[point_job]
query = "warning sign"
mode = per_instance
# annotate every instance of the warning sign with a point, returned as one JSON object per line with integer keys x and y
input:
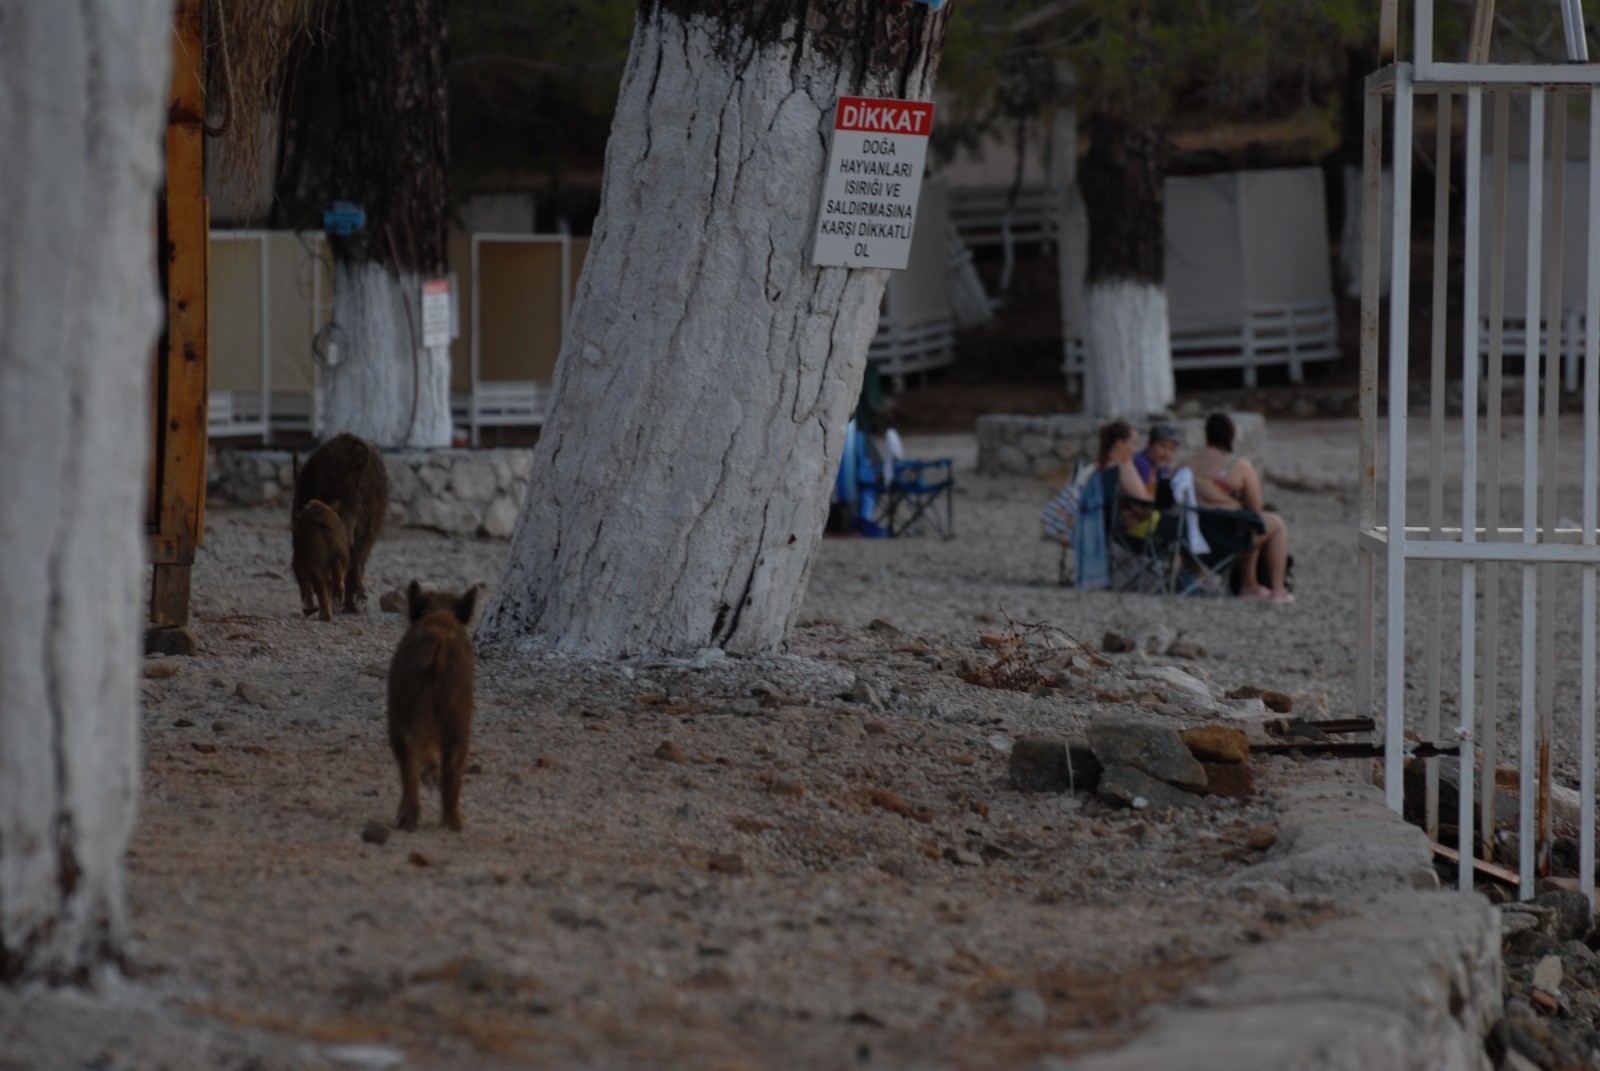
{"x": 435, "y": 312}
{"x": 869, "y": 197}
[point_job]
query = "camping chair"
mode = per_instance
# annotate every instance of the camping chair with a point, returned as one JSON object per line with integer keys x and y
{"x": 1144, "y": 556}
{"x": 1060, "y": 518}
{"x": 916, "y": 489}
{"x": 1228, "y": 534}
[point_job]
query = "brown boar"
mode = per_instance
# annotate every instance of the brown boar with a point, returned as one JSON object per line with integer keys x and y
{"x": 430, "y": 701}
{"x": 347, "y": 470}
{"x": 321, "y": 557}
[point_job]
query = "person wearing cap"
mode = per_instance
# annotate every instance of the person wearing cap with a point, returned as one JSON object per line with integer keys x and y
{"x": 1154, "y": 462}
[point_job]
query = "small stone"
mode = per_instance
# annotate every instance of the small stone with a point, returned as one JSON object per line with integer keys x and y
{"x": 1245, "y": 691}
{"x": 375, "y": 669}
{"x": 1261, "y": 838}
{"x": 204, "y": 747}
{"x": 375, "y": 833}
{"x": 1024, "y": 1007}
{"x": 545, "y": 762}
{"x": 874, "y": 728}
{"x": 161, "y": 668}
{"x": 394, "y": 602}
{"x": 727, "y": 863}
{"x": 1183, "y": 648}
{"x": 1217, "y": 743}
{"x": 670, "y": 752}
{"x": 1278, "y": 702}
{"x": 880, "y": 624}
{"x": 254, "y": 693}
{"x": 1116, "y": 643}
{"x": 1574, "y": 913}
{"x": 962, "y": 857}
{"x": 1547, "y": 975}
{"x": 182, "y": 723}
{"x": 416, "y": 858}
{"x": 781, "y": 787}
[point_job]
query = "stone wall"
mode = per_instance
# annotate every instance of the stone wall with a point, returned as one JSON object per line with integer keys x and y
{"x": 456, "y": 491}
{"x": 1049, "y": 446}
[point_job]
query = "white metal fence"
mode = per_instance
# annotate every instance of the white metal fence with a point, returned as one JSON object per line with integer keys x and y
{"x": 1493, "y": 648}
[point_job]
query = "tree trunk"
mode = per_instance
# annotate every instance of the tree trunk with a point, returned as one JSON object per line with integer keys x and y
{"x": 82, "y": 88}
{"x": 1129, "y": 347}
{"x": 393, "y": 158}
{"x": 680, "y": 486}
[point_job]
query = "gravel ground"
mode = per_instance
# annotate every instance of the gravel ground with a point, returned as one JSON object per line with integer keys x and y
{"x": 809, "y": 860}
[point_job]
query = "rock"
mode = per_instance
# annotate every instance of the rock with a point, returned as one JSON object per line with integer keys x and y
{"x": 1278, "y": 702}
{"x": 1155, "y": 749}
{"x": 1156, "y": 638}
{"x": 394, "y": 602}
{"x": 1116, "y": 643}
{"x": 416, "y": 858}
{"x": 670, "y": 752}
{"x": 1217, "y": 743}
{"x": 1041, "y": 764}
{"x": 727, "y": 863}
{"x": 879, "y": 624}
{"x": 1184, "y": 687}
{"x": 1137, "y": 789}
{"x": 1244, "y": 691}
{"x": 1230, "y": 780}
{"x": 1519, "y": 918}
{"x": 161, "y": 668}
{"x": 1025, "y": 1007}
{"x": 375, "y": 669}
{"x": 500, "y": 519}
{"x": 1184, "y": 648}
{"x": 254, "y": 693}
{"x": 375, "y": 833}
{"x": 1261, "y": 838}
{"x": 962, "y": 857}
{"x": 1573, "y": 914}
{"x": 1547, "y": 975}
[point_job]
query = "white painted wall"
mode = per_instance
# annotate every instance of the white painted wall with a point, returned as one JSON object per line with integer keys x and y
{"x": 680, "y": 486}
{"x": 82, "y": 94}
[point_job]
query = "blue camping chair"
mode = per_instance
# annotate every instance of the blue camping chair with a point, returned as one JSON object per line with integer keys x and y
{"x": 859, "y": 483}
{"x": 916, "y": 491}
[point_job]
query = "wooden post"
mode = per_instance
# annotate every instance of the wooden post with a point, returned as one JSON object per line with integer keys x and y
{"x": 178, "y": 461}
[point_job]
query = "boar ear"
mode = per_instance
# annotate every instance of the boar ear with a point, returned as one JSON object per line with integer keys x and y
{"x": 417, "y": 600}
{"x": 465, "y": 604}
{"x": 333, "y": 507}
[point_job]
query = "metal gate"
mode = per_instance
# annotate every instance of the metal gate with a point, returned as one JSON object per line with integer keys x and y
{"x": 1485, "y": 537}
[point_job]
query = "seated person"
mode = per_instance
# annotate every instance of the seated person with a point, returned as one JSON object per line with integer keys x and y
{"x": 1223, "y": 480}
{"x": 1118, "y": 445}
{"x": 1154, "y": 462}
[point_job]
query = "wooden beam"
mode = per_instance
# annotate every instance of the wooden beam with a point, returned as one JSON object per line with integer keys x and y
{"x": 179, "y": 402}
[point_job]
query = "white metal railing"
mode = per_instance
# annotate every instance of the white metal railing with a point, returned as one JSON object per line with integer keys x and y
{"x": 1516, "y": 535}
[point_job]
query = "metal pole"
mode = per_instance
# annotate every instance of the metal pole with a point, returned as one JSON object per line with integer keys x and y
{"x": 1526, "y": 832}
{"x": 1469, "y": 478}
{"x": 1395, "y": 562}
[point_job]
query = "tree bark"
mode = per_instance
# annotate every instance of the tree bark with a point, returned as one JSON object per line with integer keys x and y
{"x": 82, "y": 88}
{"x": 680, "y": 486}
{"x": 1129, "y": 370}
{"x": 390, "y": 59}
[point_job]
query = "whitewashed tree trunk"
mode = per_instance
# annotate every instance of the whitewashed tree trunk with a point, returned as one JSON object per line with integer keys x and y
{"x": 385, "y": 387}
{"x": 1129, "y": 349}
{"x": 82, "y": 87}
{"x": 1129, "y": 353}
{"x": 681, "y": 483}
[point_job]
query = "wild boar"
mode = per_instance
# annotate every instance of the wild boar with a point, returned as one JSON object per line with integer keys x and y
{"x": 430, "y": 701}
{"x": 347, "y": 470}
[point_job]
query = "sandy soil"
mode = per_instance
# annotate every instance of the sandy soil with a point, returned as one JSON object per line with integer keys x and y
{"x": 809, "y": 860}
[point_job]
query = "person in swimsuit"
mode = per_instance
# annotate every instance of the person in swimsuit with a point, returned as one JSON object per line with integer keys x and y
{"x": 1223, "y": 480}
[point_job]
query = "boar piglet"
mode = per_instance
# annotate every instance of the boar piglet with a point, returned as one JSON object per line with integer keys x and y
{"x": 430, "y": 700}
{"x": 321, "y": 557}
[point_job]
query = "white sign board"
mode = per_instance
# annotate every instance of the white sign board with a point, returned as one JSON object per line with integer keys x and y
{"x": 869, "y": 197}
{"x": 435, "y": 313}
